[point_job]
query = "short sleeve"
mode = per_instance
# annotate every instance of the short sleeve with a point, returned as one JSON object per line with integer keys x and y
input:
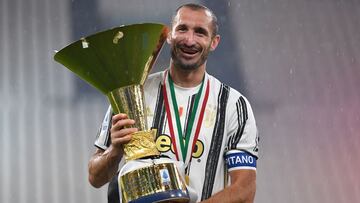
{"x": 243, "y": 139}
{"x": 103, "y": 136}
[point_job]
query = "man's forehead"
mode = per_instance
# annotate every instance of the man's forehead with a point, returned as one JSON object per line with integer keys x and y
{"x": 186, "y": 12}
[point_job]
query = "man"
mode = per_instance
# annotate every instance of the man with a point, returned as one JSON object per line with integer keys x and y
{"x": 200, "y": 121}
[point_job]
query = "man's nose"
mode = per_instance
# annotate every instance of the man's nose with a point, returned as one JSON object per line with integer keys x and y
{"x": 190, "y": 38}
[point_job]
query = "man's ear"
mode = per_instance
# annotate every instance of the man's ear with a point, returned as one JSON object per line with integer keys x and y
{"x": 214, "y": 42}
{"x": 168, "y": 38}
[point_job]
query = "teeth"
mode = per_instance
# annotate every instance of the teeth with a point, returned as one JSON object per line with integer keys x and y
{"x": 189, "y": 51}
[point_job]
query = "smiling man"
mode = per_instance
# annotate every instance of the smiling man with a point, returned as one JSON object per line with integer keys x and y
{"x": 192, "y": 37}
{"x": 201, "y": 122}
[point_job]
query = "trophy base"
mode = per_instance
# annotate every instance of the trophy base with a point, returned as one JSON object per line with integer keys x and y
{"x": 163, "y": 197}
{"x": 155, "y": 182}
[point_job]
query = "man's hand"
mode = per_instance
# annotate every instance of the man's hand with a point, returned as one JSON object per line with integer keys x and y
{"x": 119, "y": 134}
{"x": 103, "y": 164}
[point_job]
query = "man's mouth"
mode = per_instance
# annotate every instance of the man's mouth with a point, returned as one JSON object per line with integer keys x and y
{"x": 189, "y": 51}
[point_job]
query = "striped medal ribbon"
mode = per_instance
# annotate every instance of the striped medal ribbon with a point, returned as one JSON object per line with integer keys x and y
{"x": 180, "y": 142}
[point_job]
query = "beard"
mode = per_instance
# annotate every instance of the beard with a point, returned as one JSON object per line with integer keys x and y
{"x": 184, "y": 64}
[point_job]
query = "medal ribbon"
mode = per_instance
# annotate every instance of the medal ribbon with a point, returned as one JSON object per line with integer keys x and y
{"x": 191, "y": 133}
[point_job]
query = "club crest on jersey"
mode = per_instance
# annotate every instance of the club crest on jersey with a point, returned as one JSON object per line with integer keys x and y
{"x": 210, "y": 115}
{"x": 164, "y": 144}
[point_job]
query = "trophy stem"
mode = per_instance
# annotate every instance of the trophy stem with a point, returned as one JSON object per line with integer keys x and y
{"x": 130, "y": 100}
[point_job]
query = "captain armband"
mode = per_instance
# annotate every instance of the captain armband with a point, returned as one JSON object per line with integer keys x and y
{"x": 236, "y": 159}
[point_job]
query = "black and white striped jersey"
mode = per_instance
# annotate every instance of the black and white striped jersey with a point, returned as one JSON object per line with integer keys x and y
{"x": 227, "y": 138}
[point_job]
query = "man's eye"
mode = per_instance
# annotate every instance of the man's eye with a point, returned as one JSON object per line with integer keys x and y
{"x": 181, "y": 29}
{"x": 201, "y": 32}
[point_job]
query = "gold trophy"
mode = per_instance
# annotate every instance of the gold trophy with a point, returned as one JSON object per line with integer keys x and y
{"x": 117, "y": 63}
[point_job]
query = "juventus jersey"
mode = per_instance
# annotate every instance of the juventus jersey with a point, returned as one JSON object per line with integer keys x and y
{"x": 224, "y": 135}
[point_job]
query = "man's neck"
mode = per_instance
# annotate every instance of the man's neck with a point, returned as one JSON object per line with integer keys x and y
{"x": 187, "y": 78}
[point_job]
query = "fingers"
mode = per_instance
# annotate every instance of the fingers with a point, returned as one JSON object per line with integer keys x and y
{"x": 118, "y": 117}
{"x": 119, "y": 134}
{"x": 121, "y": 121}
{"x": 119, "y": 138}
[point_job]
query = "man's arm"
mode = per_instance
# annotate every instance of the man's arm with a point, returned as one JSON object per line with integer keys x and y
{"x": 242, "y": 174}
{"x": 241, "y": 190}
{"x": 103, "y": 164}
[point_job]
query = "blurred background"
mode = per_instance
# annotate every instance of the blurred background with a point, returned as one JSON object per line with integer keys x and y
{"x": 297, "y": 61}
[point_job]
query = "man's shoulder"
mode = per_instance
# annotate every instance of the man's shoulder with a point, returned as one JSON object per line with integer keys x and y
{"x": 156, "y": 75}
{"x": 153, "y": 82}
{"x": 224, "y": 88}
{"x": 154, "y": 79}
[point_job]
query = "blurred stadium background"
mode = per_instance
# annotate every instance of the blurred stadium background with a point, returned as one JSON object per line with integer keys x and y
{"x": 297, "y": 61}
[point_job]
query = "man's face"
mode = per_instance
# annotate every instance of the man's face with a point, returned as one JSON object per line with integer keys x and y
{"x": 191, "y": 38}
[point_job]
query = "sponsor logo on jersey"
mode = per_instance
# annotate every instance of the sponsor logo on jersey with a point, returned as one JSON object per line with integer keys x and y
{"x": 240, "y": 159}
{"x": 164, "y": 144}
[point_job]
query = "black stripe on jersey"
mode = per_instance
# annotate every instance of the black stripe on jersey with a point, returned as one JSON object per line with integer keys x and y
{"x": 216, "y": 143}
{"x": 159, "y": 114}
{"x": 109, "y": 124}
{"x": 189, "y": 110}
{"x": 108, "y": 138}
{"x": 242, "y": 116}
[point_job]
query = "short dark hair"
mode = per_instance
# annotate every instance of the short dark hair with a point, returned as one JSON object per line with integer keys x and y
{"x": 196, "y": 7}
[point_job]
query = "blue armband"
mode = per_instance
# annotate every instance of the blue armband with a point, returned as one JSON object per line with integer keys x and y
{"x": 240, "y": 160}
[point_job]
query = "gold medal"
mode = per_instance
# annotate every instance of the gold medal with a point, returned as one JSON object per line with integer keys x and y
{"x": 187, "y": 179}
